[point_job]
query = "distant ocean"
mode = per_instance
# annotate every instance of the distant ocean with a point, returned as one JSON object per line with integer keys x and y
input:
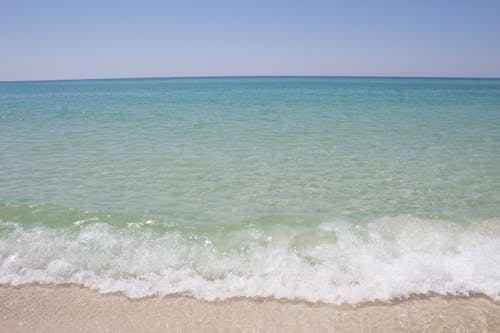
{"x": 338, "y": 190}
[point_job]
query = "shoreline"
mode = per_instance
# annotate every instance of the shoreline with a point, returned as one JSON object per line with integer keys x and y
{"x": 71, "y": 308}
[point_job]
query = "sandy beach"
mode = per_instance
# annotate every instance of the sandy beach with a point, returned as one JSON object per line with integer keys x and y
{"x": 75, "y": 309}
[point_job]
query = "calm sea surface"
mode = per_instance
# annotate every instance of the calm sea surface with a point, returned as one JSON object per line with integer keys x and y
{"x": 323, "y": 189}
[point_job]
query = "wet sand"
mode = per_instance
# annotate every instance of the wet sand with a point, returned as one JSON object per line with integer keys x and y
{"x": 75, "y": 309}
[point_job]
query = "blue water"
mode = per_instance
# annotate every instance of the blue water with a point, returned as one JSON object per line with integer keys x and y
{"x": 323, "y": 189}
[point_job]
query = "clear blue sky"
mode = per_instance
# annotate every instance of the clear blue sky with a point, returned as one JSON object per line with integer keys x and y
{"x": 97, "y": 38}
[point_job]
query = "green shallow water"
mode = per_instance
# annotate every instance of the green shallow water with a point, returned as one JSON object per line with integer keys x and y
{"x": 212, "y": 151}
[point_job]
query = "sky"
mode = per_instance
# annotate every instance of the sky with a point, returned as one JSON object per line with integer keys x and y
{"x": 71, "y": 39}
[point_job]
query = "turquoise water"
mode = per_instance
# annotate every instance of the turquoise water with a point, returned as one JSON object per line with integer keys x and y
{"x": 324, "y": 189}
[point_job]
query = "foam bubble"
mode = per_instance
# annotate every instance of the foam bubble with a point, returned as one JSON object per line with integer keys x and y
{"x": 333, "y": 262}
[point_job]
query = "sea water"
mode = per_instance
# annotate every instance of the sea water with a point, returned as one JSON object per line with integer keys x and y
{"x": 321, "y": 189}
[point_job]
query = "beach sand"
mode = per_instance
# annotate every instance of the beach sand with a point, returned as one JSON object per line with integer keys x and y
{"x": 75, "y": 309}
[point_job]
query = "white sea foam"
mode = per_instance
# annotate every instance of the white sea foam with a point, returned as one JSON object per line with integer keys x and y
{"x": 334, "y": 263}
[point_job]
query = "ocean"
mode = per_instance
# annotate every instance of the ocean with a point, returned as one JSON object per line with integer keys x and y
{"x": 323, "y": 189}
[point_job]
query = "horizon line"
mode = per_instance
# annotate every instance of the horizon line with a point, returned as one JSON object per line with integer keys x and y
{"x": 258, "y": 76}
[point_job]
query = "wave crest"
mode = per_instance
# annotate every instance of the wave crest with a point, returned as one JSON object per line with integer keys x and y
{"x": 389, "y": 258}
